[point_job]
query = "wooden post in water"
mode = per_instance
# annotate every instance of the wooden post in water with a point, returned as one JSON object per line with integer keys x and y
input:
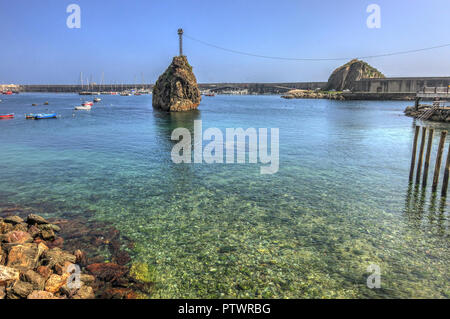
{"x": 446, "y": 173}
{"x": 437, "y": 167}
{"x": 420, "y": 161}
{"x": 427, "y": 157}
{"x": 413, "y": 158}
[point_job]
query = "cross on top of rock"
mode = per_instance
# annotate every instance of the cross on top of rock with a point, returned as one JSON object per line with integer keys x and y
{"x": 180, "y": 35}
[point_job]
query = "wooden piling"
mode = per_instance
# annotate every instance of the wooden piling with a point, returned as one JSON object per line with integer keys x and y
{"x": 413, "y": 157}
{"x": 446, "y": 173}
{"x": 417, "y": 103}
{"x": 437, "y": 167}
{"x": 427, "y": 157}
{"x": 420, "y": 161}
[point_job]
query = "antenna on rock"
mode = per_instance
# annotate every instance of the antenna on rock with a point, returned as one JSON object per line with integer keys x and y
{"x": 180, "y": 35}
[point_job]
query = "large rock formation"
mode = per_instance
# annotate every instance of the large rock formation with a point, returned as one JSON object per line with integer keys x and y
{"x": 176, "y": 89}
{"x": 342, "y": 78}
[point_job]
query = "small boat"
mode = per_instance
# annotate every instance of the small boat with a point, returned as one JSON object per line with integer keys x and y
{"x": 34, "y": 104}
{"x": 45, "y": 103}
{"x": 97, "y": 99}
{"x": 30, "y": 116}
{"x": 210, "y": 94}
{"x": 8, "y": 93}
{"x": 42, "y": 116}
{"x": 83, "y": 107}
{"x": 87, "y": 103}
{"x": 6, "y": 116}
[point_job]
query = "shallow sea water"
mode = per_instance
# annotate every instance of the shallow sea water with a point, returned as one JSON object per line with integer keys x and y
{"x": 339, "y": 202}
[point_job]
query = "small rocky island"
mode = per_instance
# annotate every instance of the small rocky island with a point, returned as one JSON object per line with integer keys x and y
{"x": 313, "y": 94}
{"x": 176, "y": 89}
{"x": 343, "y": 77}
{"x": 340, "y": 80}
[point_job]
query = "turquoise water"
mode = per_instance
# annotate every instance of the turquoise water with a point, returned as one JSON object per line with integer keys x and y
{"x": 339, "y": 202}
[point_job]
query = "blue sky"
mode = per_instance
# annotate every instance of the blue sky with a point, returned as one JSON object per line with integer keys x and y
{"x": 126, "y": 38}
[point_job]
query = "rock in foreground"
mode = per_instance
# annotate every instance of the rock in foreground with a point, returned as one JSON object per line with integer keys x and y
{"x": 33, "y": 264}
{"x": 176, "y": 89}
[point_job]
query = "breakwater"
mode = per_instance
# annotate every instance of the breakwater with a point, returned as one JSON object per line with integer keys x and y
{"x": 404, "y": 88}
{"x": 400, "y": 85}
{"x": 219, "y": 88}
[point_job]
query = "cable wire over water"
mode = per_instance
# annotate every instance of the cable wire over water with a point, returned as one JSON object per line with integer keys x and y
{"x": 315, "y": 59}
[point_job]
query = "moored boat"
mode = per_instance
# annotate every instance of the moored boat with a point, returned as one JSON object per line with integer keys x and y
{"x": 87, "y": 103}
{"x": 83, "y": 107}
{"x": 42, "y": 116}
{"x": 6, "y": 116}
{"x": 97, "y": 99}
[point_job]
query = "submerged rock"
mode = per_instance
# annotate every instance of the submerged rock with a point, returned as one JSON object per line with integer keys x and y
{"x": 21, "y": 290}
{"x": 107, "y": 271}
{"x": 343, "y": 77}
{"x": 17, "y": 237}
{"x": 35, "y": 279}
{"x": 8, "y": 275}
{"x": 85, "y": 292}
{"x": 55, "y": 282}
{"x": 40, "y": 294}
{"x": 25, "y": 256}
{"x": 13, "y": 220}
{"x": 36, "y": 219}
{"x": 176, "y": 89}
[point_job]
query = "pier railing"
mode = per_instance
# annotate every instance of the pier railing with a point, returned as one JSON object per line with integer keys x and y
{"x": 433, "y": 93}
{"x": 431, "y": 90}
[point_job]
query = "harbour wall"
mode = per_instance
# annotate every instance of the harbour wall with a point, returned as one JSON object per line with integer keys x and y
{"x": 377, "y": 89}
{"x": 251, "y": 88}
{"x": 399, "y": 85}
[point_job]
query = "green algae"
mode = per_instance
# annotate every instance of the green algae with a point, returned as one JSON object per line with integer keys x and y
{"x": 142, "y": 272}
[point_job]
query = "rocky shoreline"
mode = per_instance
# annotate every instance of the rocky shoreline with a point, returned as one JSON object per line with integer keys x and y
{"x": 59, "y": 259}
{"x": 309, "y": 94}
{"x": 427, "y": 112}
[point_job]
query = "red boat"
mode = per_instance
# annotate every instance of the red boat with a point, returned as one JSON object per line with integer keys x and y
{"x": 6, "y": 116}
{"x": 89, "y": 103}
{"x": 8, "y": 93}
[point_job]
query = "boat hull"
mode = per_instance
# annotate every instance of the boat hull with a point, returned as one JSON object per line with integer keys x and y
{"x": 45, "y": 116}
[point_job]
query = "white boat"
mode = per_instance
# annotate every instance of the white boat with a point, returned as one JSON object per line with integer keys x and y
{"x": 97, "y": 99}
{"x": 83, "y": 107}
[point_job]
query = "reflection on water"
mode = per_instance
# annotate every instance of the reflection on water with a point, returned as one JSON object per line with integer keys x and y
{"x": 427, "y": 215}
{"x": 338, "y": 203}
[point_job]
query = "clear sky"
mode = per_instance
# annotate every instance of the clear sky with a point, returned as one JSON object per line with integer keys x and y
{"x": 124, "y": 39}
